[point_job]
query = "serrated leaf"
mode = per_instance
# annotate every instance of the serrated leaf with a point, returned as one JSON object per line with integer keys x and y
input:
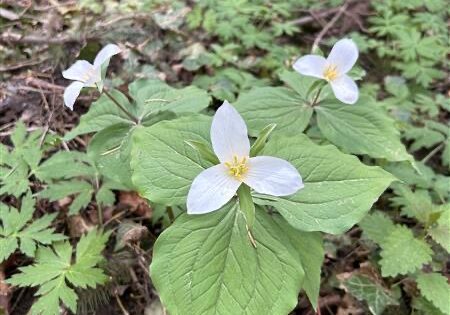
{"x": 163, "y": 164}
{"x": 440, "y": 231}
{"x": 402, "y": 253}
{"x": 206, "y": 264}
{"x": 361, "y": 129}
{"x": 365, "y": 289}
{"x": 339, "y": 189}
{"x": 377, "y": 226}
{"x": 415, "y": 204}
{"x": 19, "y": 231}
{"x": 435, "y": 288}
{"x": 53, "y": 268}
{"x": 282, "y": 106}
{"x": 64, "y": 165}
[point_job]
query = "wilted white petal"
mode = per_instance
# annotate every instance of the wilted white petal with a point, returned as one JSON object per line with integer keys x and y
{"x": 343, "y": 55}
{"x": 211, "y": 189}
{"x": 71, "y": 93}
{"x": 272, "y": 176}
{"x": 107, "y": 52}
{"x": 311, "y": 65}
{"x": 345, "y": 89}
{"x": 229, "y": 134}
{"x": 79, "y": 71}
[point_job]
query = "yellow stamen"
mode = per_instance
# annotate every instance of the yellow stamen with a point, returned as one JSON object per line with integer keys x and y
{"x": 330, "y": 73}
{"x": 237, "y": 167}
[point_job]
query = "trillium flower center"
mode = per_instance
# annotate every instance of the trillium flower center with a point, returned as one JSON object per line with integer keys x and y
{"x": 89, "y": 75}
{"x": 330, "y": 73}
{"x": 237, "y": 167}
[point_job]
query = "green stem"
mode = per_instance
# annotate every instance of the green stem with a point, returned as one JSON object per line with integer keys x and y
{"x": 131, "y": 116}
{"x": 314, "y": 102}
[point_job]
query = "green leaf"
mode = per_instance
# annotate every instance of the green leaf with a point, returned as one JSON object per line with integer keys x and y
{"x": 64, "y": 165}
{"x": 103, "y": 113}
{"x": 53, "y": 270}
{"x": 339, "y": 190}
{"x": 365, "y": 289}
{"x": 110, "y": 148}
{"x": 204, "y": 150}
{"x": 416, "y": 204}
{"x": 440, "y": 231}
{"x": 18, "y": 230}
{"x": 282, "y": 106}
{"x": 206, "y": 264}
{"x": 435, "y": 288}
{"x": 246, "y": 204}
{"x": 377, "y": 226}
{"x": 152, "y": 96}
{"x": 163, "y": 164}
{"x": 402, "y": 253}
{"x": 361, "y": 129}
{"x": 300, "y": 83}
{"x": 260, "y": 142}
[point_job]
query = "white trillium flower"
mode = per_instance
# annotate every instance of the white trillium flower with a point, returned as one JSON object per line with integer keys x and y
{"x": 215, "y": 186}
{"x": 86, "y": 74}
{"x": 334, "y": 69}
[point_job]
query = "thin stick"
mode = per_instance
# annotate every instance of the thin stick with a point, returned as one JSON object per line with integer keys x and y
{"x": 120, "y": 106}
{"x": 329, "y": 25}
{"x": 432, "y": 153}
{"x": 314, "y": 102}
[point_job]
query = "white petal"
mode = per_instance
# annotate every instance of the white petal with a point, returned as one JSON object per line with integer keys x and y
{"x": 343, "y": 55}
{"x": 71, "y": 93}
{"x": 79, "y": 71}
{"x": 211, "y": 189}
{"x": 272, "y": 176}
{"x": 229, "y": 134}
{"x": 345, "y": 89}
{"x": 311, "y": 65}
{"x": 107, "y": 52}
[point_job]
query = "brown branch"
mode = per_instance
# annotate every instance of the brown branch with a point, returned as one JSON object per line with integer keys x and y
{"x": 10, "y": 37}
{"x": 329, "y": 25}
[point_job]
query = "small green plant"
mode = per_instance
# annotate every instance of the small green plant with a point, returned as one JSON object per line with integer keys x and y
{"x": 58, "y": 275}
{"x": 18, "y": 230}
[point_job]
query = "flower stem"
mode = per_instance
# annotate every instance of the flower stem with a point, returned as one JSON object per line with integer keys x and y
{"x": 131, "y": 116}
{"x": 314, "y": 102}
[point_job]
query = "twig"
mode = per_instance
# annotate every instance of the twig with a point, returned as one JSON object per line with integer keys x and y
{"x": 36, "y": 39}
{"x": 119, "y": 302}
{"x": 329, "y": 25}
{"x": 432, "y": 153}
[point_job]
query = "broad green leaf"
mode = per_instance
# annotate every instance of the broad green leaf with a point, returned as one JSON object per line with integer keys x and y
{"x": 152, "y": 96}
{"x": 163, "y": 164}
{"x": 376, "y": 226}
{"x": 103, "y": 113}
{"x": 300, "y": 83}
{"x": 339, "y": 190}
{"x": 110, "y": 148}
{"x": 422, "y": 306}
{"x": 435, "y": 288}
{"x": 361, "y": 128}
{"x": 206, "y": 264}
{"x": 402, "y": 253}
{"x": 282, "y": 106}
{"x": 310, "y": 249}
{"x": 365, "y": 289}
